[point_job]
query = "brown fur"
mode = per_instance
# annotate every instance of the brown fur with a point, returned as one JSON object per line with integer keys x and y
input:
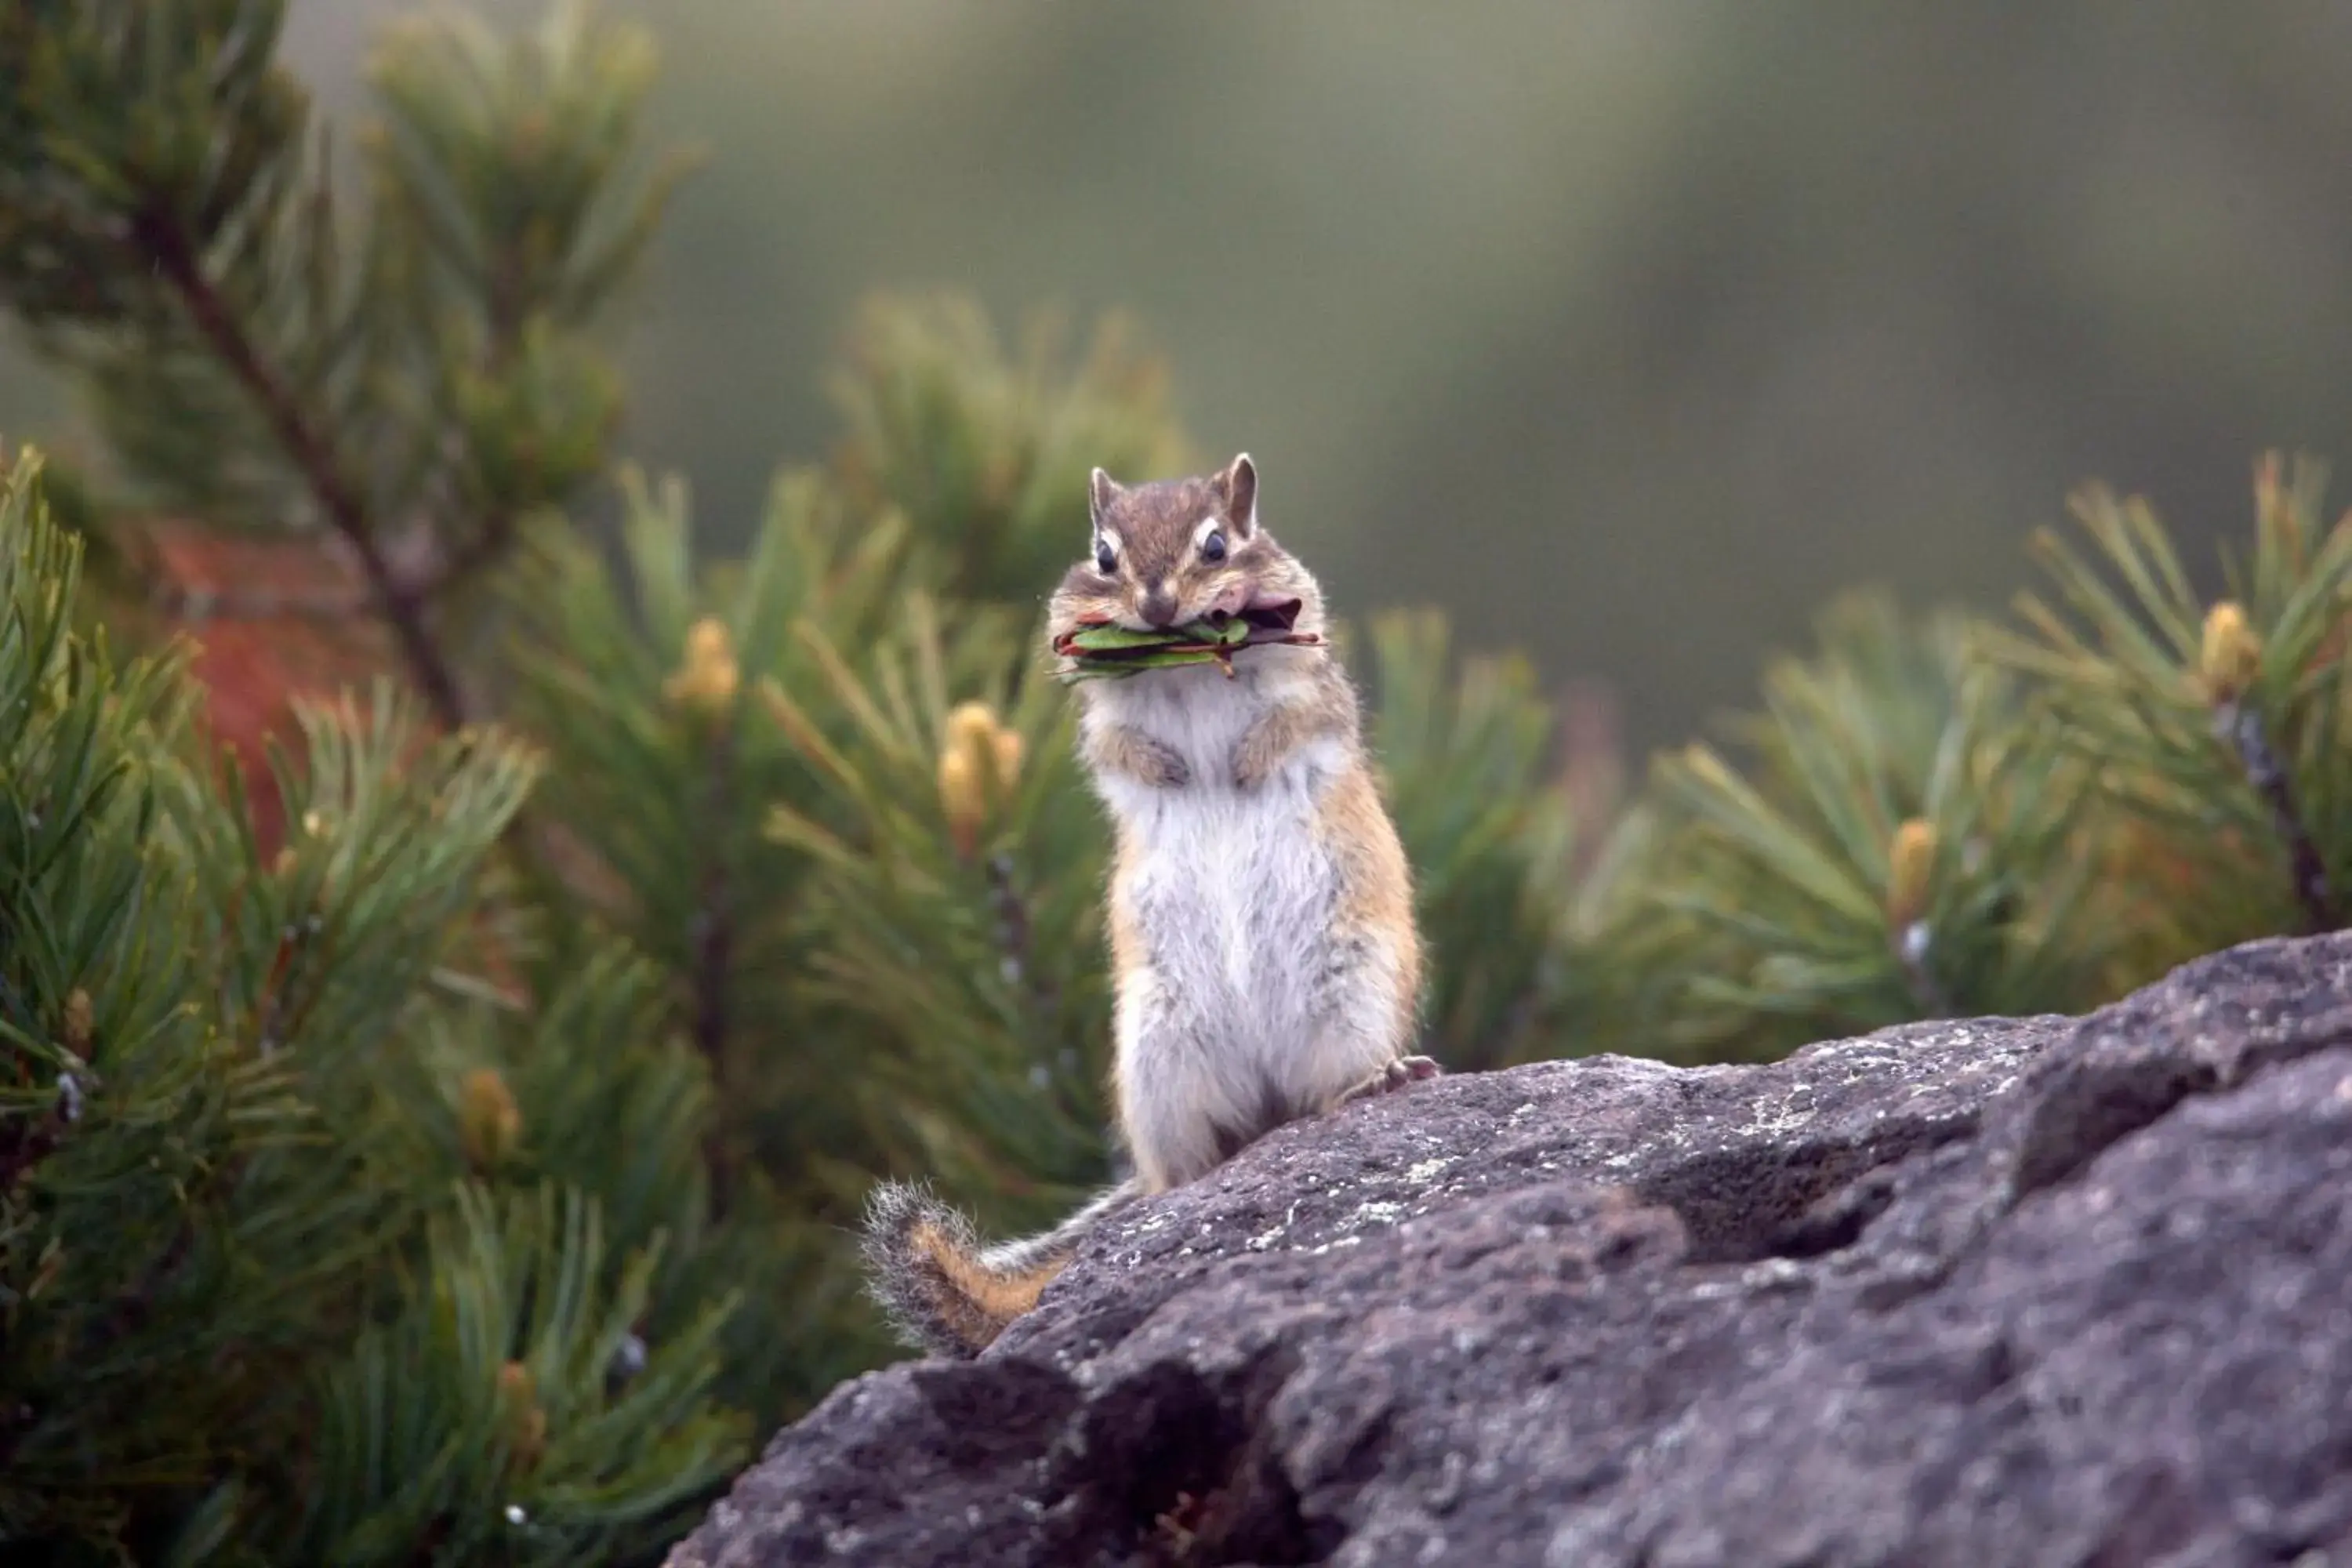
{"x": 1377, "y": 901}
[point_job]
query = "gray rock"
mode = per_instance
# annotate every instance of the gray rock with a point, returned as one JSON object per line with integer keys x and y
{"x": 2024, "y": 1291}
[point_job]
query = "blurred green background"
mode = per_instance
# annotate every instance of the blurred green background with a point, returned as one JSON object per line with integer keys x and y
{"x": 1627, "y": 331}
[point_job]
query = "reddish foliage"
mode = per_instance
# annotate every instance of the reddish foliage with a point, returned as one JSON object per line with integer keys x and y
{"x": 273, "y": 618}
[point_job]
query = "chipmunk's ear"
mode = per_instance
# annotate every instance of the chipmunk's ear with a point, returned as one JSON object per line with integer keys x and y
{"x": 1237, "y": 488}
{"x": 1102, "y": 494}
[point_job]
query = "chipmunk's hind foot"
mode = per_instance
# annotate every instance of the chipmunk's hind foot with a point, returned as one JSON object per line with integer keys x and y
{"x": 1393, "y": 1077}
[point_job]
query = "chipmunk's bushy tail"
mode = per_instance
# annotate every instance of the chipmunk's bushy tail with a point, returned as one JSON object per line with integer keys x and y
{"x": 945, "y": 1292}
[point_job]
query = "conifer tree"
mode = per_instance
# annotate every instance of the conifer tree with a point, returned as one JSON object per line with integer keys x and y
{"x": 309, "y": 1250}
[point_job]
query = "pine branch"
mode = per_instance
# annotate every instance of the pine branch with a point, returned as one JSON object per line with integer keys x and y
{"x": 2241, "y": 726}
{"x": 447, "y": 377}
{"x": 159, "y": 234}
{"x": 2217, "y": 730}
{"x": 712, "y": 945}
{"x": 713, "y": 937}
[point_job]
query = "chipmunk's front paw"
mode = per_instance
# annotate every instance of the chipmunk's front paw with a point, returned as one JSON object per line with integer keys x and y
{"x": 1255, "y": 760}
{"x": 1162, "y": 766}
{"x": 1139, "y": 757}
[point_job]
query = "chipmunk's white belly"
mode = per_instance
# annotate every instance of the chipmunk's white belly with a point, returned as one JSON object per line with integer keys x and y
{"x": 1235, "y": 893}
{"x": 1233, "y": 890}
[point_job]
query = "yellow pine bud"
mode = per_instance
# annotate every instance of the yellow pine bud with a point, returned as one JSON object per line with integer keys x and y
{"x": 488, "y": 1120}
{"x": 706, "y": 681}
{"x": 2231, "y": 655}
{"x": 962, "y": 799}
{"x": 1910, "y": 862}
{"x": 971, "y": 727}
{"x": 526, "y": 1422}
{"x": 977, "y": 757}
{"x": 80, "y": 1021}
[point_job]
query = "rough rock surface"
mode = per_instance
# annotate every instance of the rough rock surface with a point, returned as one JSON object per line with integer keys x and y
{"x": 2000, "y": 1292}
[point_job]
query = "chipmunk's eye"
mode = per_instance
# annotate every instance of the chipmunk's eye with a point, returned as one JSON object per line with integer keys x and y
{"x": 1213, "y": 547}
{"x": 1106, "y": 559}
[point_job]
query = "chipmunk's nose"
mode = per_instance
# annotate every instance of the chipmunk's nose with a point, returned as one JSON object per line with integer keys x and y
{"x": 1159, "y": 605}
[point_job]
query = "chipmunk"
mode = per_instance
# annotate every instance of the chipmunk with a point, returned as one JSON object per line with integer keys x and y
{"x": 1266, "y": 960}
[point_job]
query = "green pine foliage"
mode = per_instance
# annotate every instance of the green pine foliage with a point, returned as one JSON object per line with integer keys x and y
{"x": 2219, "y": 735}
{"x": 122, "y": 1113}
{"x": 1899, "y": 846}
{"x": 1942, "y": 815}
{"x": 491, "y": 1418}
{"x": 1468, "y": 750}
{"x": 471, "y": 1179}
{"x": 273, "y": 1221}
{"x": 981, "y": 451}
{"x": 954, "y": 899}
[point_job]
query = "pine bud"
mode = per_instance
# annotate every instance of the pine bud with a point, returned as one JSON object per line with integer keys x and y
{"x": 525, "y": 1421}
{"x": 2231, "y": 655}
{"x": 80, "y": 1021}
{"x": 1910, "y": 862}
{"x": 974, "y": 727}
{"x": 961, "y": 798}
{"x": 980, "y": 759}
{"x": 488, "y": 1120}
{"x": 705, "y": 681}
{"x": 971, "y": 725}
